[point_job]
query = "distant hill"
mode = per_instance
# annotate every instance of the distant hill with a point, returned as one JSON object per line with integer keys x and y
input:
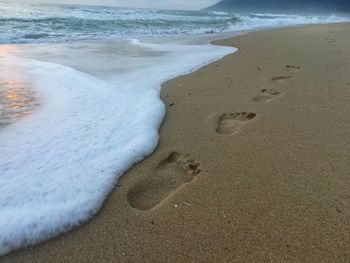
{"x": 283, "y": 6}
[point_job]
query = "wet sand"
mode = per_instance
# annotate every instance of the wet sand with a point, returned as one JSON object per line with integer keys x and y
{"x": 253, "y": 163}
{"x": 16, "y": 101}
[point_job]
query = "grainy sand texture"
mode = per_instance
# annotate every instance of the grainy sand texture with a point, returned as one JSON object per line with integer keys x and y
{"x": 253, "y": 163}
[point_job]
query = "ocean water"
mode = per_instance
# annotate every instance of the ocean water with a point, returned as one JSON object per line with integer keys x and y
{"x": 20, "y": 23}
{"x": 79, "y": 102}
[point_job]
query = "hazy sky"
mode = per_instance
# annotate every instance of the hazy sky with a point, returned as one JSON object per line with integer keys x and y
{"x": 170, "y": 4}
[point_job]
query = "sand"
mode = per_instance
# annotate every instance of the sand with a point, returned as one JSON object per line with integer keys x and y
{"x": 252, "y": 165}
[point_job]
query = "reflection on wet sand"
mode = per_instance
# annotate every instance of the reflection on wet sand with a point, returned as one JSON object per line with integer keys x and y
{"x": 16, "y": 101}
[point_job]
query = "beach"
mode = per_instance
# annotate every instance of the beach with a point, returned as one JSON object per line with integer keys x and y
{"x": 252, "y": 163}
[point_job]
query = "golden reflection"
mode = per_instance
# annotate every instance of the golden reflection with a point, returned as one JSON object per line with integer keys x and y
{"x": 16, "y": 101}
{"x": 16, "y": 98}
{"x": 11, "y": 95}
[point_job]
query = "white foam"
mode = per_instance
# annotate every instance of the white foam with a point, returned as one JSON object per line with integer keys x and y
{"x": 58, "y": 164}
{"x": 259, "y": 21}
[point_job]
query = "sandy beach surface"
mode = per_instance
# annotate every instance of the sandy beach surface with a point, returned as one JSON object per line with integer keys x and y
{"x": 253, "y": 163}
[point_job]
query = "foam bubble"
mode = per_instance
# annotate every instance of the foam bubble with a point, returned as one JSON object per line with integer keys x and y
{"x": 58, "y": 164}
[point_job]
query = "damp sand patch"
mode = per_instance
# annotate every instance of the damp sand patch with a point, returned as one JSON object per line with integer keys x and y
{"x": 16, "y": 101}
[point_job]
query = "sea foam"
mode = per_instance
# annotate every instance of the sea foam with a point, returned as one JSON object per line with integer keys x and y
{"x": 59, "y": 163}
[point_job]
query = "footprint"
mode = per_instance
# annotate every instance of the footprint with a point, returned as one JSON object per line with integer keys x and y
{"x": 344, "y": 205}
{"x": 276, "y": 78}
{"x": 267, "y": 95}
{"x": 292, "y": 68}
{"x": 232, "y": 123}
{"x": 170, "y": 175}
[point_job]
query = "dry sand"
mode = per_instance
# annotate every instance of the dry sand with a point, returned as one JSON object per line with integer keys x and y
{"x": 253, "y": 163}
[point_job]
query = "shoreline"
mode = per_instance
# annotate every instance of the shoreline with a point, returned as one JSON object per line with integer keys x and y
{"x": 235, "y": 185}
